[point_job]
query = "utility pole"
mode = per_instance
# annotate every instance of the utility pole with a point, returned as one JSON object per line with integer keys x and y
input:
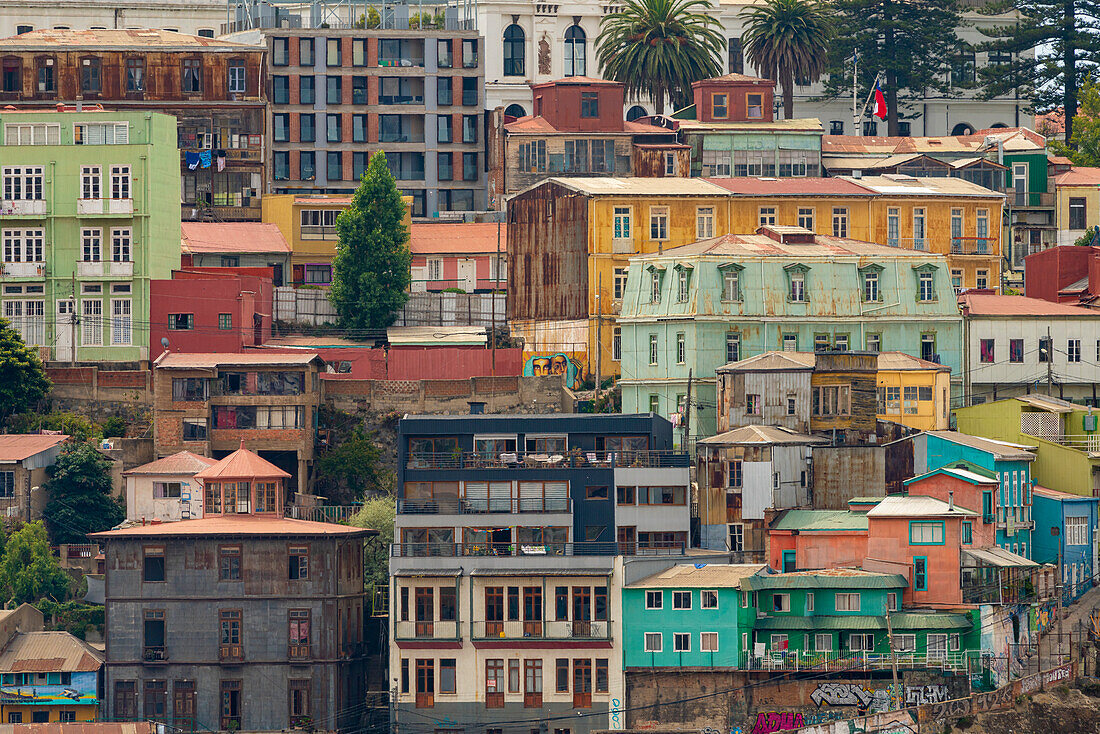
{"x": 599, "y": 335}
{"x": 855, "y": 92}
{"x": 1059, "y": 589}
{"x": 493, "y": 311}
{"x": 893, "y": 657}
{"x": 687, "y": 414}
{"x": 72, "y": 321}
{"x": 1050, "y": 368}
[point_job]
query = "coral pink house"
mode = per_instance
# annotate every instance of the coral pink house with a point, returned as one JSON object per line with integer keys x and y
{"x": 458, "y": 255}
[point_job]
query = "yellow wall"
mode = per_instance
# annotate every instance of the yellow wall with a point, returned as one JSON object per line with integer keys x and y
{"x": 83, "y": 713}
{"x": 931, "y": 415}
{"x": 1091, "y": 195}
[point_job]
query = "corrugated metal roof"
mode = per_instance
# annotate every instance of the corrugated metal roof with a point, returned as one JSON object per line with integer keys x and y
{"x": 826, "y": 578}
{"x": 999, "y": 449}
{"x": 1079, "y": 176}
{"x": 146, "y": 39}
{"x": 48, "y": 652}
{"x": 768, "y": 361}
{"x": 1049, "y": 404}
{"x": 896, "y": 506}
{"x": 1055, "y": 494}
{"x": 639, "y": 186}
{"x": 212, "y": 361}
{"x": 436, "y": 336}
{"x": 743, "y": 246}
{"x": 239, "y": 237}
{"x": 893, "y": 184}
{"x": 804, "y": 186}
{"x": 821, "y": 520}
{"x": 896, "y": 361}
{"x": 696, "y": 576}
{"x": 19, "y": 446}
{"x": 964, "y": 474}
{"x": 458, "y": 238}
{"x": 758, "y": 435}
{"x": 996, "y": 556}
{"x": 183, "y": 463}
{"x": 991, "y": 304}
{"x": 541, "y": 572}
{"x": 807, "y": 124}
{"x": 233, "y": 525}
{"x": 242, "y": 464}
{"x": 898, "y": 621}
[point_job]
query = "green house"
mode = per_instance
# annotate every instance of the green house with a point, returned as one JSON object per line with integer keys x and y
{"x": 89, "y": 214}
{"x": 687, "y": 616}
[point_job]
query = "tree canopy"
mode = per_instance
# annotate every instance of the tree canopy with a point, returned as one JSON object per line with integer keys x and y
{"x": 23, "y": 380}
{"x": 370, "y": 274}
{"x": 657, "y": 48}
{"x": 790, "y": 38}
{"x": 28, "y": 571}
{"x": 1083, "y": 147}
{"x": 79, "y": 499}
{"x": 351, "y": 468}
{"x": 378, "y": 514}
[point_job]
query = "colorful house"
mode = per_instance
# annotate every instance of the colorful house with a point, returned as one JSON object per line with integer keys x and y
{"x": 913, "y": 391}
{"x": 470, "y": 256}
{"x": 689, "y": 310}
{"x": 85, "y": 226}
{"x": 1074, "y": 518}
{"x": 688, "y": 616}
{"x": 801, "y": 539}
{"x": 49, "y": 677}
{"x": 236, "y": 244}
{"x": 1077, "y": 205}
{"x": 1065, "y": 274}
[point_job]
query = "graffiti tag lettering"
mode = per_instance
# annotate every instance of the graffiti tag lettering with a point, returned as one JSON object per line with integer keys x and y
{"x": 919, "y": 695}
{"x": 774, "y": 721}
{"x": 1053, "y": 676}
{"x": 841, "y": 694}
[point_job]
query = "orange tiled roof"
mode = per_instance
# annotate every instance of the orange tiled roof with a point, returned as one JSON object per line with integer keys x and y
{"x": 201, "y": 237}
{"x": 183, "y": 462}
{"x": 242, "y": 464}
{"x": 19, "y": 446}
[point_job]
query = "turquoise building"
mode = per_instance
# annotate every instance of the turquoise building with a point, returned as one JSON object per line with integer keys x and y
{"x": 89, "y": 214}
{"x": 1010, "y": 462}
{"x": 692, "y": 309}
{"x": 1075, "y": 544}
{"x": 688, "y": 616}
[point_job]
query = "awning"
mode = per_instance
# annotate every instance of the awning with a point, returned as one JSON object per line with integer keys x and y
{"x": 994, "y": 556}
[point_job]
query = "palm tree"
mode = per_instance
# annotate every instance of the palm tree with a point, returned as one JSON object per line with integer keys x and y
{"x": 788, "y": 40}
{"x": 657, "y": 48}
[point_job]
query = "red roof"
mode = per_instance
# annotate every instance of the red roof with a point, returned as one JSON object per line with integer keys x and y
{"x": 538, "y": 124}
{"x": 458, "y": 238}
{"x": 791, "y": 186}
{"x": 1078, "y": 176}
{"x": 580, "y": 80}
{"x": 323, "y": 200}
{"x": 990, "y": 304}
{"x": 184, "y": 463}
{"x": 19, "y": 446}
{"x": 1056, "y": 494}
{"x": 733, "y": 77}
{"x": 234, "y": 525}
{"x": 216, "y": 237}
{"x": 242, "y": 464}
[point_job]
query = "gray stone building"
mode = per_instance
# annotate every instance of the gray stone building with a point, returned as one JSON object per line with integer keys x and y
{"x": 209, "y": 621}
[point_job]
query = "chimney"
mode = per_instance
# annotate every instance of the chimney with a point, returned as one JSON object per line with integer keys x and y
{"x": 951, "y": 500}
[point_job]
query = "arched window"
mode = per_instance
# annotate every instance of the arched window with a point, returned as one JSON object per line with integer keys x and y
{"x": 515, "y": 110}
{"x": 574, "y": 51}
{"x": 997, "y": 126}
{"x": 962, "y": 129}
{"x": 635, "y": 112}
{"x": 513, "y": 50}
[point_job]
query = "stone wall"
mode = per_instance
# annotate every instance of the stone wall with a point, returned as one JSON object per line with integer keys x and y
{"x": 447, "y": 397}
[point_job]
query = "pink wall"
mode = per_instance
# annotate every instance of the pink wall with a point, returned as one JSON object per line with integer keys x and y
{"x": 484, "y": 271}
{"x": 888, "y": 540}
{"x": 1048, "y": 271}
{"x": 240, "y": 292}
{"x": 815, "y": 549}
{"x": 967, "y": 495}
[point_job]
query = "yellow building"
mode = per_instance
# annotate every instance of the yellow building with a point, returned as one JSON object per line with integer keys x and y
{"x": 1077, "y": 203}
{"x": 308, "y": 222}
{"x": 914, "y": 392}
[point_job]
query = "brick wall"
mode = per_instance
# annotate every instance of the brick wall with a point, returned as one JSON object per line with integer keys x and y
{"x": 500, "y": 394}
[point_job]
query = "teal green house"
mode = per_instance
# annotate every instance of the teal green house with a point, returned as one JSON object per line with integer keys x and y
{"x": 692, "y": 309}
{"x": 688, "y": 616}
{"x": 89, "y": 214}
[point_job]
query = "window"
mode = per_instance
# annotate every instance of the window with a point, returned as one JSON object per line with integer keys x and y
{"x": 298, "y": 562}
{"x": 181, "y": 321}
{"x": 333, "y": 128}
{"x": 469, "y": 53}
{"x": 654, "y": 599}
{"x": 235, "y": 74}
{"x": 806, "y": 218}
{"x": 733, "y": 346}
{"x": 847, "y": 602}
{"x": 280, "y": 51}
{"x": 575, "y": 51}
{"x": 797, "y": 290}
{"x": 447, "y": 681}
{"x": 121, "y": 322}
{"x": 986, "y": 350}
{"x": 1077, "y": 218}
{"x": 926, "y": 287}
{"x": 11, "y": 70}
{"x": 92, "y": 323}
{"x": 621, "y": 223}
{"x": 737, "y": 537}
{"x": 1045, "y": 349}
{"x": 926, "y": 532}
{"x": 280, "y": 89}
{"x": 704, "y": 222}
{"x": 653, "y": 351}
{"x": 730, "y": 285}
{"x": 719, "y": 105}
{"x": 957, "y": 281}
{"x": 469, "y": 128}
{"x": 1073, "y": 350}
{"x": 892, "y": 601}
{"x": 1077, "y": 531}
{"x": 870, "y": 287}
{"x": 754, "y": 106}
{"x": 334, "y": 160}
{"x": 781, "y": 602}
{"x": 469, "y": 91}
{"x": 861, "y": 642}
{"x": 22, "y": 183}
{"x": 873, "y": 342}
{"x": 681, "y": 348}
{"x": 305, "y": 52}
{"x": 681, "y": 600}
{"x": 752, "y": 404}
{"x": 307, "y": 127}
{"x": 47, "y": 79}
{"x": 681, "y": 642}
{"x": 823, "y": 642}
{"x": 658, "y": 223}
{"x": 298, "y": 701}
{"x": 831, "y": 400}
{"x": 332, "y": 52}
{"x": 91, "y": 80}
{"x": 152, "y": 564}
{"x": 307, "y": 90}
{"x": 120, "y": 182}
{"x": 683, "y": 276}
{"x": 809, "y": 601}
{"x": 653, "y": 641}
{"x": 920, "y": 573}
{"x": 561, "y": 675}
{"x": 120, "y": 245}
{"x": 23, "y": 246}
{"x": 967, "y": 532}
{"x": 191, "y": 76}
{"x": 766, "y": 215}
{"x": 514, "y": 50}
{"x": 590, "y": 104}
{"x": 670, "y": 164}
{"x": 918, "y": 229}
{"x": 708, "y": 599}
{"x": 956, "y": 229}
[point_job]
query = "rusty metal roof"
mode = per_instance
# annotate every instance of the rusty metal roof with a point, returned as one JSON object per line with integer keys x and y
{"x": 775, "y": 360}
{"x": 242, "y": 464}
{"x": 212, "y": 361}
{"x": 767, "y": 186}
{"x": 806, "y": 124}
{"x": 891, "y": 184}
{"x": 48, "y": 652}
{"x": 148, "y": 39}
{"x": 1079, "y": 176}
{"x": 19, "y": 446}
{"x": 233, "y": 525}
{"x": 638, "y": 186}
{"x": 760, "y": 435}
{"x": 182, "y": 463}
{"x": 760, "y": 245}
{"x": 216, "y": 237}
{"x": 999, "y": 449}
{"x": 991, "y": 304}
{"x": 893, "y": 361}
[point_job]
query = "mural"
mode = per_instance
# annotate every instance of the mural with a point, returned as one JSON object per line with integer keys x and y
{"x": 554, "y": 364}
{"x": 876, "y": 699}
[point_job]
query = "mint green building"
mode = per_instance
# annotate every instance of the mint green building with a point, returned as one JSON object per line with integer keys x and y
{"x": 697, "y": 307}
{"x": 89, "y": 214}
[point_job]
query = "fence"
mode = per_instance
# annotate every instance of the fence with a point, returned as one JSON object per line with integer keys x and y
{"x": 303, "y": 305}
{"x": 328, "y": 513}
{"x": 311, "y": 306}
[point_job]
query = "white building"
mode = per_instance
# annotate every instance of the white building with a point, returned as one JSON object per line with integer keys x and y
{"x": 1013, "y": 345}
{"x": 166, "y": 489}
{"x": 194, "y": 17}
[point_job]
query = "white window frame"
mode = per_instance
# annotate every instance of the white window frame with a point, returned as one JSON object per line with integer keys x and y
{"x": 708, "y": 642}
{"x": 785, "y": 602}
{"x": 737, "y": 532}
{"x": 840, "y": 221}
{"x": 823, "y": 642}
{"x": 650, "y": 638}
{"x": 122, "y": 245}
{"x": 101, "y": 133}
{"x": 920, "y": 228}
{"x": 859, "y": 642}
{"x": 121, "y": 183}
{"x": 91, "y": 322}
{"x": 893, "y": 226}
{"x": 706, "y": 596}
{"x": 654, "y": 349}
{"x": 681, "y": 642}
{"x": 806, "y": 217}
{"x": 658, "y": 223}
{"x": 809, "y": 601}
{"x": 797, "y": 290}
{"x": 765, "y": 216}
{"x": 618, "y": 283}
{"x": 23, "y": 245}
{"x": 683, "y": 281}
{"x": 31, "y": 326}
{"x": 704, "y": 222}
{"x": 1077, "y": 530}
{"x": 37, "y": 133}
{"x": 905, "y": 643}
{"x": 681, "y": 600}
{"x": 23, "y": 183}
{"x": 844, "y": 602}
{"x": 731, "y": 285}
{"x": 435, "y": 268}
{"x": 91, "y": 244}
{"x": 654, "y": 599}
{"x": 681, "y": 347}
{"x": 670, "y": 164}
{"x": 926, "y": 287}
{"x": 122, "y": 322}
{"x": 621, "y": 222}
{"x": 91, "y": 183}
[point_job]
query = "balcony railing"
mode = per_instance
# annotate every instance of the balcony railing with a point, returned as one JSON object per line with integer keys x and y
{"x": 23, "y": 207}
{"x": 972, "y": 245}
{"x": 437, "y": 630}
{"x": 1089, "y": 442}
{"x": 957, "y": 662}
{"x": 298, "y": 652}
{"x": 467, "y": 506}
{"x": 105, "y": 206}
{"x": 104, "y": 268}
{"x": 543, "y": 630}
{"x": 24, "y": 270}
{"x": 583, "y": 548}
{"x": 1030, "y": 199}
{"x": 231, "y": 653}
{"x": 318, "y": 232}
{"x": 154, "y": 654}
{"x": 537, "y": 460}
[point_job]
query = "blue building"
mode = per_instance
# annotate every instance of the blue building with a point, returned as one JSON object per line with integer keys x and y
{"x": 1075, "y": 518}
{"x": 1010, "y": 462}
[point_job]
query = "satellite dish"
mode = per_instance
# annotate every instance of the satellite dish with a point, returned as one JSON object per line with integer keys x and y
{"x": 164, "y": 342}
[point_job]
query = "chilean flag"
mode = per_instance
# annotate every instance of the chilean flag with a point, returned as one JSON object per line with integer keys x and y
{"x": 879, "y": 110}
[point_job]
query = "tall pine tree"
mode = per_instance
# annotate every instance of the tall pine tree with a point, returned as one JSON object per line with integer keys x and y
{"x": 912, "y": 42}
{"x": 1046, "y": 55}
{"x": 370, "y": 273}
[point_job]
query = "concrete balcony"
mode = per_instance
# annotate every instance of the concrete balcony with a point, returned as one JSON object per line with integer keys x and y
{"x": 23, "y": 208}
{"x": 539, "y": 630}
{"x": 446, "y": 630}
{"x": 114, "y": 207}
{"x": 102, "y": 269}
{"x": 24, "y": 270}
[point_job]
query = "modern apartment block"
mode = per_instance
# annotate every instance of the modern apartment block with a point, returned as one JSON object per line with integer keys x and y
{"x": 84, "y": 228}
{"x": 213, "y": 88}
{"x": 511, "y": 531}
{"x": 411, "y": 88}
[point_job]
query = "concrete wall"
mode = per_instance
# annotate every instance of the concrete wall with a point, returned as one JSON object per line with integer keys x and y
{"x": 500, "y": 395}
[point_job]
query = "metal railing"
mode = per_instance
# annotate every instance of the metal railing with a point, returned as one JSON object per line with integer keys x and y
{"x": 467, "y": 506}
{"x": 327, "y": 513}
{"x": 957, "y": 661}
{"x": 971, "y": 245}
{"x": 537, "y": 460}
{"x": 543, "y": 630}
{"x": 435, "y": 630}
{"x": 583, "y": 548}
{"x": 1089, "y": 442}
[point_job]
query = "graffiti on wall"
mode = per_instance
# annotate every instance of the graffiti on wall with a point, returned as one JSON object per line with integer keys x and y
{"x": 875, "y": 699}
{"x": 554, "y": 364}
{"x": 774, "y": 721}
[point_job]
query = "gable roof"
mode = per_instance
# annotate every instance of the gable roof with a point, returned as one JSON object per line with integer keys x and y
{"x": 49, "y": 652}
{"x": 902, "y": 506}
{"x": 1054, "y": 494}
{"x": 828, "y": 578}
{"x": 992, "y": 304}
{"x": 961, "y": 469}
{"x": 890, "y": 361}
{"x": 19, "y": 446}
{"x": 214, "y": 360}
{"x": 239, "y": 237}
{"x": 999, "y": 449}
{"x": 1079, "y": 176}
{"x": 242, "y": 464}
{"x": 773, "y": 361}
{"x": 693, "y": 575}
{"x": 821, "y": 520}
{"x": 457, "y": 238}
{"x": 183, "y": 463}
{"x": 800, "y": 186}
{"x": 759, "y": 435}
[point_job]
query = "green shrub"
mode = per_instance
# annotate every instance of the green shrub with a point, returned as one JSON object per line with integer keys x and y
{"x": 114, "y": 427}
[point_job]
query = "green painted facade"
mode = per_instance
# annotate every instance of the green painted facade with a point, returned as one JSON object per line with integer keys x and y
{"x": 90, "y": 213}
{"x": 763, "y": 315}
{"x": 728, "y": 621}
{"x": 1036, "y": 174}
